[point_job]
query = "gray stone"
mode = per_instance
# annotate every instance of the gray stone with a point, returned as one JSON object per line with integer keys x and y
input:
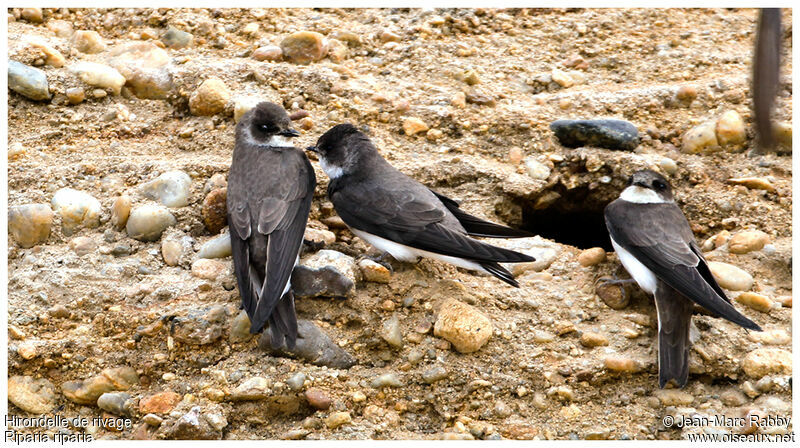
{"x": 296, "y": 381}
{"x": 171, "y": 189}
{"x": 434, "y": 374}
{"x": 200, "y": 327}
{"x": 115, "y": 403}
{"x": 145, "y": 67}
{"x": 602, "y": 133}
{"x": 313, "y": 346}
{"x": 28, "y": 81}
{"x": 217, "y": 247}
{"x": 326, "y": 273}
{"x": 386, "y": 380}
{"x": 193, "y": 426}
{"x": 148, "y": 222}
{"x": 175, "y": 38}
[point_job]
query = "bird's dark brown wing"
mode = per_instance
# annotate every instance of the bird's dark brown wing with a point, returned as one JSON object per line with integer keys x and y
{"x": 412, "y": 217}
{"x": 269, "y": 198}
{"x": 659, "y": 236}
{"x": 478, "y": 227}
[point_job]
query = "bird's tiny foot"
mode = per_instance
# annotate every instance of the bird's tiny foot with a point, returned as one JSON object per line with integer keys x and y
{"x": 614, "y": 281}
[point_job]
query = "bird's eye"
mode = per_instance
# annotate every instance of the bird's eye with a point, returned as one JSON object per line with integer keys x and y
{"x": 267, "y": 128}
{"x": 659, "y": 185}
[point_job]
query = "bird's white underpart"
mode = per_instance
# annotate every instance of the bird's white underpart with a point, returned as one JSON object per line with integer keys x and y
{"x": 639, "y": 195}
{"x": 644, "y": 277}
{"x": 410, "y": 254}
{"x": 331, "y": 170}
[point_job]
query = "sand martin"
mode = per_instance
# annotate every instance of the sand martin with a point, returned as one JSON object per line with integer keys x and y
{"x": 270, "y": 187}
{"x": 654, "y": 242}
{"x": 399, "y": 215}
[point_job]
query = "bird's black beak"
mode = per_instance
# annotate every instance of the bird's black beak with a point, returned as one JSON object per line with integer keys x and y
{"x": 312, "y": 149}
{"x": 289, "y": 133}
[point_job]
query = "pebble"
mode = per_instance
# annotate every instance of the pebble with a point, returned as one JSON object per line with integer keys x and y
{"x": 109, "y": 380}
{"x": 77, "y": 209}
{"x": 389, "y": 36}
{"x": 674, "y": 397}
{"x": 217, "y": 247}
{"x": 61, "y": 28}
{"x": 730, "y": 277}
{"x": 561, "y": 393}
{"x": 434, "y": 374}
{"x": 602, "y": 133}
{"x": 700, "y": 139}
{"x": 326, "y": 273}
{"x": 621, "y": 363}
{"x": 337, "y": 419}
{"x": 114, "y": 402}
{"x": 390, "y": 332}
{"x": 207, "y": 269}
{"x": 785, "y": 301}
{"x": 36, "y": 396}
{"x": 240, "y": 327}
{"x": 755, "y": 301}
{"x": 374, "y": 272}
{"x": 99, "y": 75}
{"x": 193, "y": 426}
{"x": 175, "y": 38}
{"x": 30, "y": 224}
{"x": 216, "y": 181}
{"x": 52, "y": 56}
{"x": 668, "y": 165}
{"x": 336, "y": 50}
{"x": 544, "y": 251}
{"x": 770, "y": 337}
{"x": 120, "y": 211}
{"x": 171, "y": 189}
{"x": 475, "y": 96}
{"x": 413, "y": 125}
{"x": 242, "y": 105}
{"x": 318, "y": 399}
{"x": 28, "y": 81}
{"x": 536, "y": 169}
{"x": 82, "y": 245}
{"x": 319, "y": 236}
{"x": 214, "y": 210}
{"x": 147, "y": 222}
{"x": 33, "y": 15}
{"x": 767, "y": 361}
{"x": 386, "y": 380}
{"x": 732, "y": 397}
{"x": 730, "y": 129}
{"x": 75, "y": 95}
{"x": 463, "y": 326}
{"x": 753, "y": 183}
{"x": 592, "y": 339}
{"x": 296, "y": 381}
{"x": 160, "y": 403}
{"x": 176, "y": 248}
{"x": 153, "y": 420}
{"x": 89, "y": 42}
{"x": 210, "y": 98}
{"x": 591, "y": 257}
{"x": 459, "y": 100}
{"x": 562, "y": 78}
{"x": 783, "y": 133}
{"x": 27, "y": 350}
{"x": 686, "y": 94}
{"x": 200, "y": 326}
{"x": 303, "y": 47}
{"x": 268, "y": 53}
{"x": 145, "y": 66}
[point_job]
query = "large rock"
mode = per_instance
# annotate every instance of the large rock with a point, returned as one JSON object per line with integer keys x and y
{"x": 109, "y": 380}
{"x": 28, "y": 81}
{"x": 604, "y": 133}
{"x": 463, "y": 326}
{"x": 767, "y": 361}
{"x": 30, "y": 224}
{"x": 326, "y": 273}
{"x": 145, "y": 68}
{"x": 148, "y": 222}
{"x": 171, "y": 189}
{"x": 303, "y": 47}
{"x": 77, "y": 209}
{"x": 36, "y": 396}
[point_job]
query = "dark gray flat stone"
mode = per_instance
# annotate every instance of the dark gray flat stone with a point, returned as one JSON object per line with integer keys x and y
{"x": 610, "y": 134}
